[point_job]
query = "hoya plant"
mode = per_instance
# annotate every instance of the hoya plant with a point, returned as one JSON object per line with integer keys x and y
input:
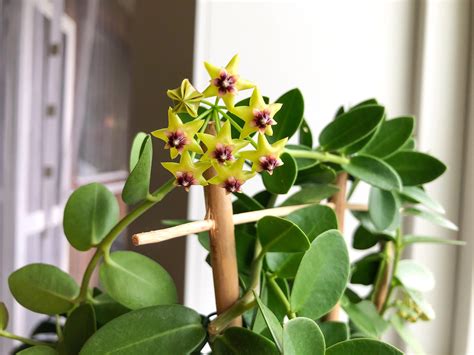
{"x": 281, "y": 266}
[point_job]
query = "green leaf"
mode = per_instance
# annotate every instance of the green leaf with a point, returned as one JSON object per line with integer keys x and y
{"x": 278, "y": 234}
{"x": 283, "y": 177}
{"x": 284, "y": 265}
{"x": 171, "y": 329}
{"x": 415, "y": 276}
{"x": 43, "y": 288}
{"x": 391, "y": 137}
{"x": 137, "y": 148}
{"x": 365, "y": 317}
{"x": 302, "y": 163}
{"x": 322, "y": 276}
{"x": 374, "y": 171}
{"x": 306, "y": 137}
{"x": 263, "y": 197}
{"x": 383, "y": 208}
{"x": 137, "y": 185}
{"x": 311, "y": 193}
{"x": 250, "y": 203}
{"x": 272, "y": 322}
{"x": 38, "y": 350}
{"x": 334, "y": 332}
{"x": 366, "y": 222}
{"x": 405, "y": 333}
{"x": 368, "y": 102}
{"x": 241, "y": 341}
{"x": 136, "y": 281}
{"x": 412, "y": 239}
{"x": 365, "y": 269}
{"x": 419, "y": 195}
{"x": 410, "y": 144}
{"x": 3, "y": 316}
{"x": 314, "y": 220}
{"x": 364, "y": 239}
{"x": 317, "y": 174}
{"x": 289, "y": 117}
{"x": 106, "y": 308}
{"x": 269, "y": 297}
{"x": 90, "y": 213}
{"x": 79, "y": 327}
{"x": 302, "y": 336}
{"x": 430, "y": 216}
{"x": 362, "y": 346}
{"x": 351, "y": 127}
{"x": 416, "y": 168}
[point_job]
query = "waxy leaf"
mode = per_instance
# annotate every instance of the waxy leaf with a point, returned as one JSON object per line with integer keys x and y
{"x": 322, "y": 276}
{"x": 415, "y": 276}
{"x": 365, "y": 239}
{"x": 334, "y": 332}
{"x": 306, "y": 137}
{"x": 317, "y": 174}
{"x": 431, "y": 216}
{"x": 106, "y": 308}
{"x": 362, "y": 346}
{"x": 374, "y": 171}
{"x": 38, "y": 350}
{"x": 412, "y": 239}
{"x": 289, "y": 117}
{"x": 311, "y": 193}
{"x": 416, "y": 168}
{"x": 302, "y": 336}
{"x": 137, "y": 185}
{"x": 272, "y": 322}
{"x": 383, "y": 208}
{"x": 365, "y": 270}
{"x": 248, "y": 202}
{"x": 391, "y": 137}
{"x": 283, "y": 177}
{"x": 350, "y": 127}
{"x": 240, "y": 341}
{"x": 171, "y": 329}
{"x": 365, "y": 317}
{"x": 43, "y": 288}
{"x": 137, "y": 148}
{"x": 284, "y": 265}
{"x": 79, "y": 327}
{"x": 3, "y": 316}
{"x": 367, "y": 102}
{"x": 136, "y": 281}
{"x": 90, "y": 213}
{"x": 278, "y": 234}
{"x": 419, "y": 195}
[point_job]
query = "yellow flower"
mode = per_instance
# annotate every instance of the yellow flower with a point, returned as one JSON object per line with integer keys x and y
{"x": 231, "y": 177}
{"x": 266, "y": 156}
{"x": 258, "y": 116}
{"x": 179, "y": 136}
{"x": 221, "y": 147}
{"x": 225, "y": 82}
{"x": 186, "y": 98}
{"x": 186, "y": 172}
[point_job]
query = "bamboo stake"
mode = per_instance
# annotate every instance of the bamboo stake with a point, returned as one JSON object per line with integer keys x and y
{"x": 340, "y": 203}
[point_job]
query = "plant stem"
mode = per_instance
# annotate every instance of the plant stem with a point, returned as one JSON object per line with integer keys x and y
{"x": 59, "y": 331}
{"x": 284, "y": 300}
{"x": 204, "y": 114}
{"x": 383, "y": 279}
{"x": 322, "y": 156}
{"x": 5, "y": 334}
{"x": 398, "y": 252}
{"x": 236, "y": 126}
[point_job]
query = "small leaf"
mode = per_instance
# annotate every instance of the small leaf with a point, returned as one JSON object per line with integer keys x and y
{"x": 283, "y": 177}
{"x": 430, "y": 216}
{"x": 314, "y": 220}
{"x": 413, "y": 239}
{"x": 90, "y": 213}
{"x": 383, "y": 208}
{"x": 351, "y": 127}
{"x": 317, "y": 174}
{"x": 284, "y": 265}
{"x": 79, "y": 327}
{"x": 322, "y": 276}
{"x": 368, "y": 102}
{"x": 365, "y": 270}
{"x": 3, "y": 316}
{"x": 391, "y": 137}
{"x": 414, "y": 276}
{"x": 272, "y": 322}
{"x": 278, "y": 234}
{"x": 374, "y": 171}
{"x": 137, "y": 185}
{"x": 306, "y": 137}
{"x": 419, "y": 195}
{"x": 136, "y": 281}
{"x": 38, "y": 350}
{"x": 250, "y": 203}
{"x": 289, "y": 117}
{"x": 43, "y": 288}
{"x": 311, "y": 193}
{"x": 263, "y": 197}
{"x": 239, "y": 341}
{"x": 302, "y": 336}
{"x": 365, "y": 317}
{"x": 334, "y": 332}
{"x": 137, "y": 147}
{"x": 362, "y": 346}
{"x": 364, "y": 239}
{"x": 416, "y": 168}
{"x": 106, "y": 309}
{"x": 405, "y": 333}
{"x": 171, "y": 329}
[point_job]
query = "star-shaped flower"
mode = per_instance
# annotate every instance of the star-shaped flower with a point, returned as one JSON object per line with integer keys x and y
{"x": 225, "y": 82}
{"x": 186, "y": 98}
{"x": 258, "y": 116}
{"x": 222, "y": 147}
{"x": 186, "y": 172}
{"x": 266, "y": 156}
{"x": 179, "y": 136}
{"x": 231, "y": 177}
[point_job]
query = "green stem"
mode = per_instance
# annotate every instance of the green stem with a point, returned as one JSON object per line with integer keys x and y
{"x": 322, "y": 156}
{"x": 59, "y": 331}
{"x": 398, "y": 253}
{"x": 236, "y": 126}
{"x": 204, "y": 114}
{"x": 217, "y": 120}
{"x": 281, "y": 295}
{"x": 5, "y": 334}
{"x": 205, "y": 102}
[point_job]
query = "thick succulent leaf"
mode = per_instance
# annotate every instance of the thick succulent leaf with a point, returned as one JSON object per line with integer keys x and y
{"x": 289, "y": 117}
{"x": 283, "y": 177}
{"x": 362, "y": 346}
{"x": 383, "y": 208}
{"x": 334, "y": 332}
{"x": 241, "y": 341}
{"x": 365, "y": 317}
{"x": 278, "y": 234}
{"x": 415, "y": 276}
{"x": 302, "y": 336}
{"x": 272, "y": 322}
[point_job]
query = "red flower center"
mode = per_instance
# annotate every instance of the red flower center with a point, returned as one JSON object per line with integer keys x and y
{"x": 269, "y": 163}
{"x": 233, "y": 185}
{"x": 225, "y": 83}
{"x": 262, "y": 119}
{"x": 223, "y": 153}
{"x": 176, "y": 140}
{"x": 185, "y": 179}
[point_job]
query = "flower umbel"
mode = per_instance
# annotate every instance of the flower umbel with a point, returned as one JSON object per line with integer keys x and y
{"x": 267, "y": 156}
{"x": 231, "y": 177}
{"x": 186, "y": 172}
{"x": 225, "y": 82}
{"x": 186, "y": 98}
{"x": 179, "y": 136}
{"x": 222, "y": 147}
{"x": 258, "y": 116}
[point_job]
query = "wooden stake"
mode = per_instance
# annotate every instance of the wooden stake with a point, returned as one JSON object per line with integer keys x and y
{"x": 339, "y": 200}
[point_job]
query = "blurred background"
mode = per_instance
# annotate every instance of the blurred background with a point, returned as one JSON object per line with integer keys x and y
{"x": 79, "y": 78}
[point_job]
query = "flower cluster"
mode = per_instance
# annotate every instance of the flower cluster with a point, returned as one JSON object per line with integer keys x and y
{"x": 210, "y": 153}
